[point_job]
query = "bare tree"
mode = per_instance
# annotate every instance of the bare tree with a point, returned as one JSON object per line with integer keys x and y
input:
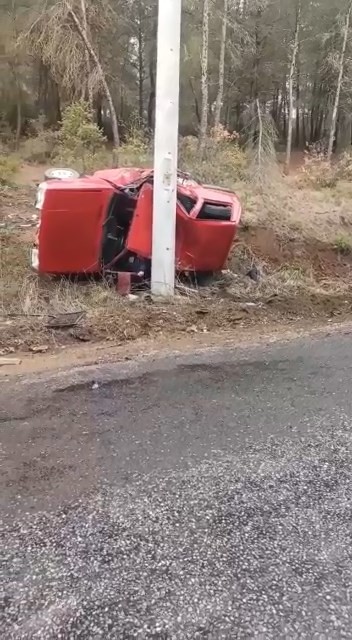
{"x": 89, "y": 47}
{"x": 220, "y": 94}
{"x": 140, "y": 65}
{"x": 88, "y": 89}
{"x": 339, "y": 80}
{"x": 295, "y": 47}
{"x": 204, "y": 79}
{"x": 14, "y": 64}
{"x": 261, "y": 136}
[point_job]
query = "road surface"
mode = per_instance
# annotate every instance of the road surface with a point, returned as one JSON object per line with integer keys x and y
{"x": 209, "y": 497}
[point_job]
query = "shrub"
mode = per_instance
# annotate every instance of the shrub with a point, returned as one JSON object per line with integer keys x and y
{"x": 343, "y": 244}
{"x": 6, "y": 135}
{"x": 224, "y": 162}
{"x": 81, "y": 144}
{"x": 344, "y": 167}
{"x": 39, "y": 147}
{"x": 135, "y": 152}
{"x": 318, "y": 172}
{"x": 39, "y": 150}
{"x": 8, "y": 168}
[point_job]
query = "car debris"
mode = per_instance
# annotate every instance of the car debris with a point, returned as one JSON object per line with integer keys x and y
{"x": 65, "y": 320}
{"x": 39, "y": 349}
{"x": 4, "y": 362}
{"x": 101, "y": 225}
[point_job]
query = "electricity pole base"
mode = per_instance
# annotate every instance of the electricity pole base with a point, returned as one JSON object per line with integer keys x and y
{"x": 166, "y": 147}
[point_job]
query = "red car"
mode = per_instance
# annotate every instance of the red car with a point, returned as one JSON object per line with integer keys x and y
{"x": 103, "y": 224}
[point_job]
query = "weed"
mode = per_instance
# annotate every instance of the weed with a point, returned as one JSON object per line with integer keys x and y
{"x": 224, "y": 163}
{"x": 9, "y": 166}
{"x": 81, "y": 144}
{"x": 343, "y": 244}
{"x": 318, "y": 172}
{"x": 135, "y": 152}
{"x": 39, "y": 147}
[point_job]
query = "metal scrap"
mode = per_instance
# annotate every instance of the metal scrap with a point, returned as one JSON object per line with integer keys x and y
{"x": 65, "y": 320}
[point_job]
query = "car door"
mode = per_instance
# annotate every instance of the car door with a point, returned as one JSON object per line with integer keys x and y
{"x": 139, "y": 238}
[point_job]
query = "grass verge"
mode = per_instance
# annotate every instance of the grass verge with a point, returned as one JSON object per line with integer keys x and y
{"x": 27, "y": 302}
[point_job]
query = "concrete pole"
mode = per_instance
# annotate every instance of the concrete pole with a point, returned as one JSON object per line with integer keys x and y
{"x": 166, "y": 147}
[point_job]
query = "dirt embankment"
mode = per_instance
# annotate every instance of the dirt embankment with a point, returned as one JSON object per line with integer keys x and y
{"x": 324, "y": 260}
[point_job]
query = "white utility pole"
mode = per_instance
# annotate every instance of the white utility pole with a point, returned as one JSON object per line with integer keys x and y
{"x": 166, "y": 147}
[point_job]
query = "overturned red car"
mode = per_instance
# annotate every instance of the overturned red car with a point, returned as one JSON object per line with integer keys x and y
{"x": 103, "y": 224}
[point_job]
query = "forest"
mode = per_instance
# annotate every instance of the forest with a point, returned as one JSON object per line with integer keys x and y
{"x": 286, "y": 63}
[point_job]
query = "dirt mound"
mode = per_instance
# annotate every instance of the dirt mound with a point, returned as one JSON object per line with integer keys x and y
{"x": 273, "y": 251}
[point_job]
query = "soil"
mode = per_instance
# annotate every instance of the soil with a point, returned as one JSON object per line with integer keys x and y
{"x": 276, "y": 251}
{"x": 67, "y": 357}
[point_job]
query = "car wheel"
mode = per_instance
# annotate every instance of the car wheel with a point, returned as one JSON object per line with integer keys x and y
{"x": 61, "y": 174}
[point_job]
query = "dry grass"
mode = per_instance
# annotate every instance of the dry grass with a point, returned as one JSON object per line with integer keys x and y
{"x": 292, "y": 208}
{"x": 299, "y": 212}
{"x": 26, "y": 303}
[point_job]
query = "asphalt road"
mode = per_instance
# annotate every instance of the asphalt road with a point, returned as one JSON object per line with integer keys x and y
{"x": 206, "y": 498}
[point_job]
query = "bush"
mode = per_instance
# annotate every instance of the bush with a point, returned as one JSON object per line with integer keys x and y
{"x": 6, "y": 135}
{"x": 343, "y": 245}
{"x": 135, "y": 152}
{"x": 81, "y": 144}
{"x": 344, "y": 167}
{"x": 39, "y": 147}
{"x": 318, "y": 172}
{"x": 224, "y": 162}
{"x": 39, "y": 150}
{"x": 8, "y": 169}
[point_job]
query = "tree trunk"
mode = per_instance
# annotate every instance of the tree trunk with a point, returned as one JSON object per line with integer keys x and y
{"x": 56, "y": 109}
{"x": 260, "y": 133}
{"x": 152, "y": 74}
{"x": 87, "y": 89}
{"x": 319, "y": 126}
{"x": 275, "y": 107}
{"x": 339, "y": 81}
{"x": 290, "y": 86}
{"x": 284, "y": 113}
{"x": 17, "y": 84}
{"x": 152, "y": 96}
{"x": 304, "y": 129}
{"x": 220, "y": 94}
{"x": 18, "y": 121}
{"x": 205, "y": 84}
{"x": 98, "y": 106}
{"x": 343, "y": 137}
{"x": 312, "y": 113}
{"x": 94, "y": 57}
{"x": 140, "y": 66}
{"x": 196, "y": 102}
{"x": 257, "y": 55}
{"x": 298, "y": 101}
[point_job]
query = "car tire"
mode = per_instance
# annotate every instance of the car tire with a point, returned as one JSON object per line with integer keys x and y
{"x": 61, "y": 173}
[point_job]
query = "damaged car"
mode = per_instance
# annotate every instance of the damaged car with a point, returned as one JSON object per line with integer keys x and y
{"x": 101, "y": 224}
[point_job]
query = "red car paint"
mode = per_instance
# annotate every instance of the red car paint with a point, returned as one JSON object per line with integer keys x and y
{"x": 71, "y": 226}
{"x": 76, "y": 214}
